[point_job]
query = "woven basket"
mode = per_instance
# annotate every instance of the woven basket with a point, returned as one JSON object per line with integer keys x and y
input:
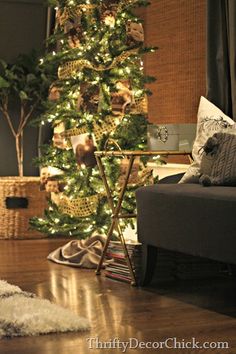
{"x": 20, "y": 199}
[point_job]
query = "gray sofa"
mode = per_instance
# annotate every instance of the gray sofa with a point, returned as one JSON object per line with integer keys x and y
{"x": 188, "y": 218}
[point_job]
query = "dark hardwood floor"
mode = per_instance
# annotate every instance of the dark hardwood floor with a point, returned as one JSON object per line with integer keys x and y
{"x": 204, "y": 309}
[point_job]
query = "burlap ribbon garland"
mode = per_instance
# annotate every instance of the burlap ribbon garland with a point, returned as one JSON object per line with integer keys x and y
{"x": 110, "y": 123}
{"x": 79, "y": 207}
{"x": 70, "y": 13}
{"x": 66, "y": 70}
{"x": 79, "y": 9}
{"x": 85, "y": 206}
{"x": 108, "y": 126}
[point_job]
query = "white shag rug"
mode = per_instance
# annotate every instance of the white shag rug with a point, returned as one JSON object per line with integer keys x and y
{"x": 24, "y": 314}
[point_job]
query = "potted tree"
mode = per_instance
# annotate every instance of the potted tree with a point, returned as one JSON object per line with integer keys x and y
{"x": 24, "y": 86}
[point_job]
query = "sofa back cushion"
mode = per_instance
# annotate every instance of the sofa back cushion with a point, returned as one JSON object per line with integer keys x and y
{"x": 211, "y": 120}
{"x": 218, "y": 165}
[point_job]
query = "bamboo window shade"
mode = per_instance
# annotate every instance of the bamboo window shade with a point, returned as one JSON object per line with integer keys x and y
{"x": 178, "y": 28}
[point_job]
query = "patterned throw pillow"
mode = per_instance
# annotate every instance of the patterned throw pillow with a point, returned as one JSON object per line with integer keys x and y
{"x": 211, "y": 120}
{"x": 218, "y": 166}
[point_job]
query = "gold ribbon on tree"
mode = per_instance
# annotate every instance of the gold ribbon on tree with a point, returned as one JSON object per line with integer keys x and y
{"x": 108, "y": 126}
{"x": 140, "y": 106}
{"x": 66, "y": 70}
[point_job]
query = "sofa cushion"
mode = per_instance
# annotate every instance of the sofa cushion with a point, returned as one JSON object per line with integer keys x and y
{"x": 210, "y": 120}
{"x": 218, "y": 166}
{"x": 189, "y": 218}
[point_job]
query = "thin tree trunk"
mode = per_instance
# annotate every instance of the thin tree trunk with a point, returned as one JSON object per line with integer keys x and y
{"x": 18, "y": 135}
{"x": 19, "y": 153}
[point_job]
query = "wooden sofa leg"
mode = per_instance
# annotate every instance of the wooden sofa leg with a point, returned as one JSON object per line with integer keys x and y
{"x": 149, "y": 257}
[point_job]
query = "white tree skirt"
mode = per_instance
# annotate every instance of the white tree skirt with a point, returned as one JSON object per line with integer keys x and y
{"x": 24, "y": 314}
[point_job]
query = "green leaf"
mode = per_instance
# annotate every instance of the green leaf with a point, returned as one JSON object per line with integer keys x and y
{"x": 30, "y": 77}
{"x": 3, "y": 63}
{"x": 10, "y": 75}
{"x": 3, "y": 83}
{"x": 23, "y": 95}
{"x": 44, "y": 77}
{"x": 3, "y": 67}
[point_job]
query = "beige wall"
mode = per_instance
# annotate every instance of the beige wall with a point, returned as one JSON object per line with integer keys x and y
{"x": 177, "y": 27}
{"x": 22, "y": 28}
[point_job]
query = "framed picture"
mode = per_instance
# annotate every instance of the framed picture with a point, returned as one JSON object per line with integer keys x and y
{"x": 84, "y": 148}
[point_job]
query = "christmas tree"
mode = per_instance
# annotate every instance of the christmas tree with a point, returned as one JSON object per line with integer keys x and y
{"x": 98, "y": 93}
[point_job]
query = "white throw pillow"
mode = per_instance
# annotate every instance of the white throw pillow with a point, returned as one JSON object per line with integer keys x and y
{"x": 211, "y": 120}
